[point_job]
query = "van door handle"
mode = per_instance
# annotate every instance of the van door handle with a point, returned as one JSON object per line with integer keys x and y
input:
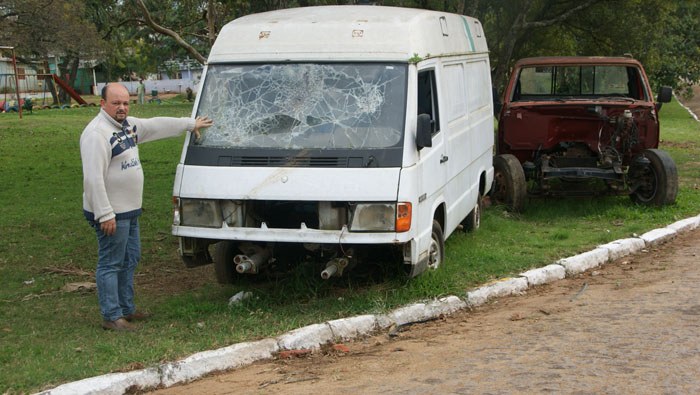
{"x": 444, "y": 158}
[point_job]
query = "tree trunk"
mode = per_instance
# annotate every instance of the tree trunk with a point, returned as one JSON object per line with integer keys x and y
{"x": 75, "y": 64}
{"x": 211, "y": 21}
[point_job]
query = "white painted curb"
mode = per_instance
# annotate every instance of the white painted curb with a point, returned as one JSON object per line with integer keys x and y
{"x": 316, "y": 335}
{"x": 353, "y": 327}
{"x": 308, "y": 337}
{"x": 203, "y": 363}
{"x": 110, "y": 384}
{"x": 544, "y": 275}
{"x": 685, "y": 225}
{"x": 585, "y": 261}
{"x": 692, "y": 114}
{"x": 658, "y": 236}
{"x": 421, "y": 312}
{"x": 623, "y": 247}
{"x": 509, "y": 286}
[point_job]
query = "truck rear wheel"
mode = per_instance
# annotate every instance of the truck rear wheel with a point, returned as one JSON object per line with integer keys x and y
{"x": 657, "y": 180}
{"x": 509, "y": 187}
{"x": 223, "y": 262}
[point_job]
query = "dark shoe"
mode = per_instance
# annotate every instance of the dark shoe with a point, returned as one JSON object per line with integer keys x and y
{"x": 120, "y": 324}
{"x": 137, "y": 316}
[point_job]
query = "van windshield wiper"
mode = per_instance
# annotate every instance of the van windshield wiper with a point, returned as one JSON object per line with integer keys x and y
{"x": 371, "y": 161}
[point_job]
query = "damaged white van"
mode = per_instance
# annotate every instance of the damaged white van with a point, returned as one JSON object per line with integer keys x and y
{"x": 340, "y": 133}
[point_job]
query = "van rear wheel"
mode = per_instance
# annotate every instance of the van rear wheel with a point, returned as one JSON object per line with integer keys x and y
{"x": 473, "y": 220}
{"x": 223, "y": 262}
{"x": 436, "y": 252}
{"x": 509, "y": 187}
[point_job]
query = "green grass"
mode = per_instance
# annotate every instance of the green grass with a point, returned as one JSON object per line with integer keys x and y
{"x": 49, "y": 337}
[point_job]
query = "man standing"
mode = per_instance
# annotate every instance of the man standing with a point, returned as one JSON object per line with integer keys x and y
{"x": 112, "y": 196}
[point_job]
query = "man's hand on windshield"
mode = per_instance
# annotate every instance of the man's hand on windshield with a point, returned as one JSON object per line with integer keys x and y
{"x": 201, "y": 122}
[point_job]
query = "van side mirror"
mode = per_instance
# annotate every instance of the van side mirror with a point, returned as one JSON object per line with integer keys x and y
{"x": 424, "y": 135}
{"x": 664, "y": 96}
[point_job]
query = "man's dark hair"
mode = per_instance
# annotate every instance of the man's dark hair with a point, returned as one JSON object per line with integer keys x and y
{"x": 104, "y": 92}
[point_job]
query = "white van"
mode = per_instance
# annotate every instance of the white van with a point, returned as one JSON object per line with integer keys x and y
{"x": 340, "y": 132}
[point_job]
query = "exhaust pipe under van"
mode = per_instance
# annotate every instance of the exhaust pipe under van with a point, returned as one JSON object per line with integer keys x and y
{"x": 252, "y": 264}
{"x": 335, "y": 267}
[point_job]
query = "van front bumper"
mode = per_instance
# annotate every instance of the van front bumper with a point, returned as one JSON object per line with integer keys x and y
{"x": 301, "y": 235}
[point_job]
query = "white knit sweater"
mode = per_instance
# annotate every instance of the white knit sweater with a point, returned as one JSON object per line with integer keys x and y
{"x": 112, "y": 173}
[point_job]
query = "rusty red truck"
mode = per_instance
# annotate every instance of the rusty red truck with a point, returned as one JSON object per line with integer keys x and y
{"x": 581, "y": 125}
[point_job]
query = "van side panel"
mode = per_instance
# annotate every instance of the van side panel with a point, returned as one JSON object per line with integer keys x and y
{"x": 466, "y": 84}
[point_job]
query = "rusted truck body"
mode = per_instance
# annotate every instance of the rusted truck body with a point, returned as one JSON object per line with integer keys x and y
{"x": 581, "y": 125}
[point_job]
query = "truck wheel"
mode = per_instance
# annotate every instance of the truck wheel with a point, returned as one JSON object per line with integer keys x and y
{"x": 223, "y": 262}
{"x": 658, "y": 179}
{"x": 436, "y": 252}
{"x": 509, "y": 186}
{"x": 473, "y": 220}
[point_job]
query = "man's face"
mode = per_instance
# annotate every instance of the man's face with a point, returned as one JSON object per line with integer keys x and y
{"x": 116, "y": 103}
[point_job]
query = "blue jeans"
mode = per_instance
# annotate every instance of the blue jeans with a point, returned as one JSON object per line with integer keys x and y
{"x": 117, "y": 258}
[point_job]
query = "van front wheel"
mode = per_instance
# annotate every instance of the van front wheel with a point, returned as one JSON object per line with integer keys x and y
{"x": 223, "y": 262}
{"x": 436, "y": 252}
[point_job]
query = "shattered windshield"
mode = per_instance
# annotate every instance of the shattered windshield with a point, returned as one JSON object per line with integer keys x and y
{"x": 304, "y": 105}
{"x": 579, "y": 81}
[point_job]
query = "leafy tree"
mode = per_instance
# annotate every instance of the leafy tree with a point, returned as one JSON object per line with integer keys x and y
{"x": 677, "y": 63}
{"x": 194, "y": 24}
{"x": 664, "y": 35}
{"x": 39, "y": 29}
{"x": 136, "y": 37}
{"x": 511, "y": 25}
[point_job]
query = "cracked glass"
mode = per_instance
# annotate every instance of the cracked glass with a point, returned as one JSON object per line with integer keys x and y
{"x": 304, "y": 105}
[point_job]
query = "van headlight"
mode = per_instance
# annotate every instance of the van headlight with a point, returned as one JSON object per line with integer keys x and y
{"x": 200, "y": 212}
{"x": 380, "y": 217}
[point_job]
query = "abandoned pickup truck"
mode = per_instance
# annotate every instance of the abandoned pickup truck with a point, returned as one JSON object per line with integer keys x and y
{"x": 581, "y": 125}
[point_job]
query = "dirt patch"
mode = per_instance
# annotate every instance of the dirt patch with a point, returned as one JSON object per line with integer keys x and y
{"x": 686, "y": 145}
{"x": 173, "y": 278}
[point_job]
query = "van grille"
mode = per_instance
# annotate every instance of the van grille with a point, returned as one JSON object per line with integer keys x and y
{"x": 285, "y": 161}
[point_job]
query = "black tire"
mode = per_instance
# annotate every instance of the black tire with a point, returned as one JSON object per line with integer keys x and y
{"x": 509, "y": 187}
{"x": 473, "y": 220}
{"x": 223, "y": 262}
{"x": 436, "y": 251}
{"x": 657, "y": 181}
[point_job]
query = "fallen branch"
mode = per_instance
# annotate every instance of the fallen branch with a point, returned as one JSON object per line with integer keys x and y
{"x": 67, "y": 272}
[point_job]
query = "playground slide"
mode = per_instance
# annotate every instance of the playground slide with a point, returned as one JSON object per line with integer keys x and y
{"x": 72, "y": 93}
